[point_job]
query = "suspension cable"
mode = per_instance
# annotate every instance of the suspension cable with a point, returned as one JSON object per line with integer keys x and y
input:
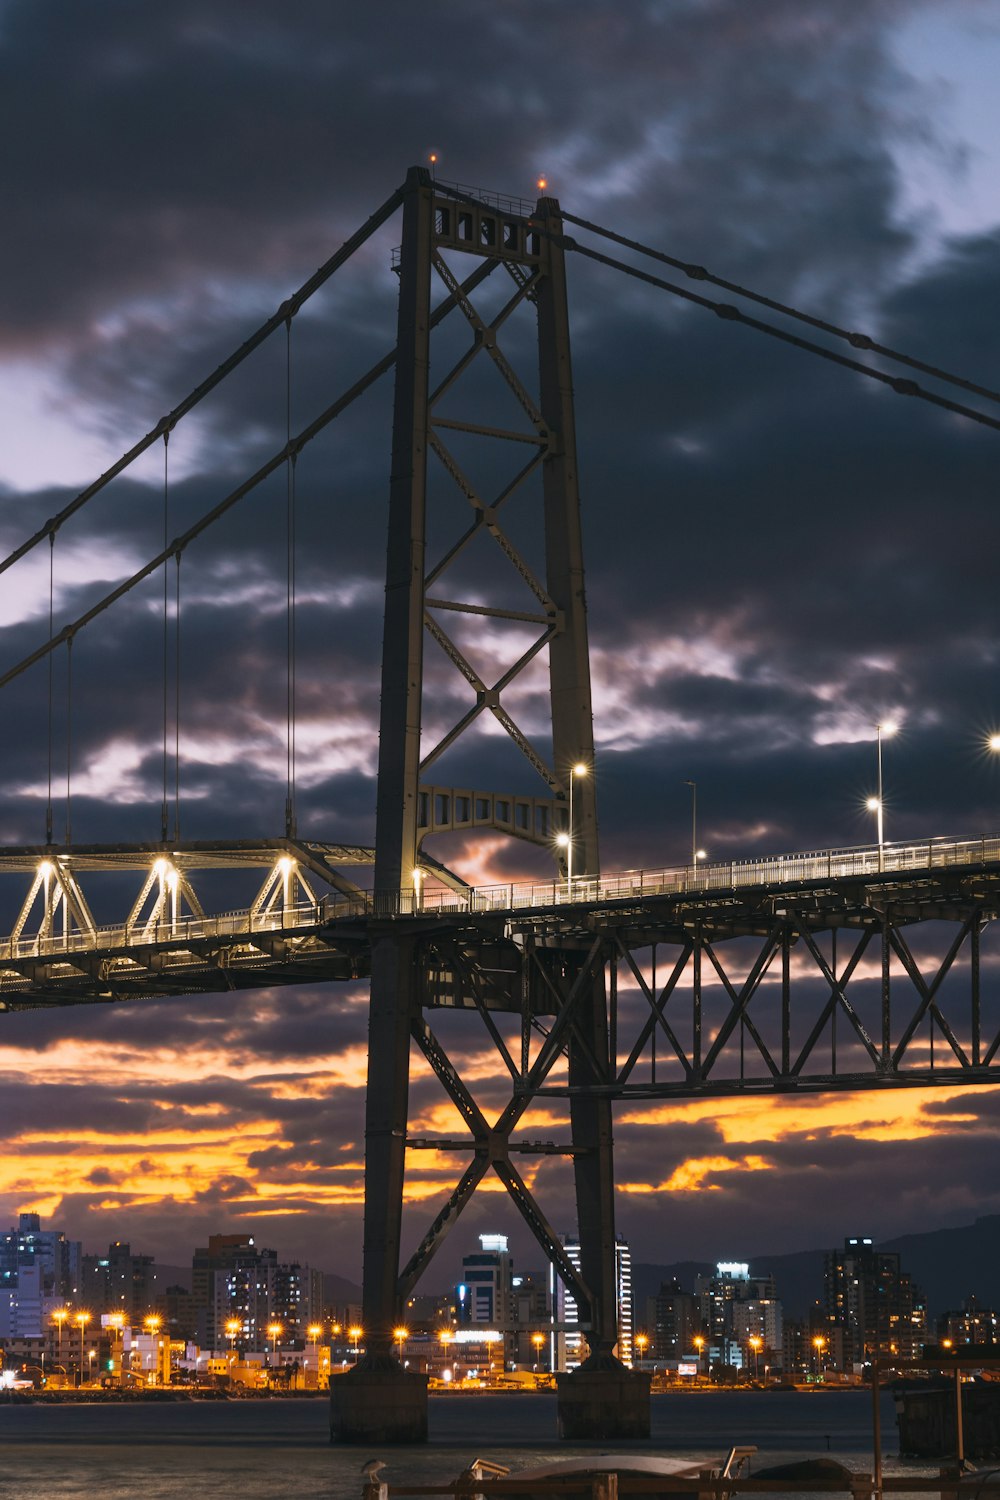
{"x": 69, "y": 737}
{"x": 48, "y": 801}
{"x": 177, "y": 698}
{"x": 273, "y": 463}
{"x": 166, "y": 613}
{"x": 290, "y": 812}
{"x": 732, "y": 314}
{"x": 165, "y": 424}
{"x": 856, "y": 340}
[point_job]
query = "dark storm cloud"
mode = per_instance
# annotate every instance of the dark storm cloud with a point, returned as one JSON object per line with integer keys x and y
{"x": 163, "y": 140}
{"x": 789, "y": 533}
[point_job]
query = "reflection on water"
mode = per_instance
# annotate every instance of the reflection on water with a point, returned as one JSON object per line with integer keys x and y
{"x": 246, "y": 1450}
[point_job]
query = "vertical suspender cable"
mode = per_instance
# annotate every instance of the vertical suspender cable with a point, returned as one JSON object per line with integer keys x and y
{"x": 290, "y": 818}
{"x": 69, "y": 739}
{"x": 177, "y": 699}
{"x": 48, "y": 803}
{"x": 166, "y": 576}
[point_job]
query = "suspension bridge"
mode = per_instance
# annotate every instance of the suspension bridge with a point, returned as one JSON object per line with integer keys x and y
{"x": 799, "y": 971}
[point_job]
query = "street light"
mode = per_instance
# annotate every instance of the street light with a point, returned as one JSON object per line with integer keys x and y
{"x": 116, "y": 1322}
{"x": 152, "y": 1323}
{"x": 699, "y": 1344}
{"x": 538, "y": 1340}
{"x": 233, "y": 1326}
{"x": 59, "y": 1317}
{"x": 314, "y": 1330}
{"x": 400, "y": 1335}
{"x": 81, "y": 1320}
{"x": 874, "y": 804}
{"x": 567, "y": 840}
{"x": 819, "y": 1344}
{"x": 274, "y": 1332}
{"x": 696, "y": 853}
{"x": 755, "y": 1342}
{"x": 354, "y": 1334}
{"x": 642, "y": 1344}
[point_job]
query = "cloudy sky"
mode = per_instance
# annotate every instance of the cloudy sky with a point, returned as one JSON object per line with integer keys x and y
{"x": 780, "y": 554}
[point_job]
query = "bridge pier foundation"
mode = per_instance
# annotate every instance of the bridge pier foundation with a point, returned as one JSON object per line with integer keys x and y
{"x": 378, "y": 1406}
{"x": 607, "y": 1404}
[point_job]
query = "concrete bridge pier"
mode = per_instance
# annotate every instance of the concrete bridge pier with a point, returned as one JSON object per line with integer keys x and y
{"x": 378, "y": 1402}
{"x": 604, "y": 1401}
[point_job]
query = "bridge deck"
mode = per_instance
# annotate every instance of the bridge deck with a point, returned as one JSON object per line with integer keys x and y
{"x": 328, "y": 936}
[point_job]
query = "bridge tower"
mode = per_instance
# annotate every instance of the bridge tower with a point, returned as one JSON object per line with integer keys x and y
{"x": 425, "y": 588}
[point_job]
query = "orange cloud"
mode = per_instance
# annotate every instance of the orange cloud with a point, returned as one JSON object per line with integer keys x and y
{"x": 693, "y": 1176}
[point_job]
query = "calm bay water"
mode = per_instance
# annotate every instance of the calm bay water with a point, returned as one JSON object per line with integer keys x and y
{"x": 248, "y": 1450}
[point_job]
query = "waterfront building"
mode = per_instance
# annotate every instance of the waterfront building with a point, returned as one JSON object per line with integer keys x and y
{"x": 485, "y": 1295}
{"x": 26, "y": 1306}
{"x": 971, "y": 1324}
{"x": 735, "y": 1307}
{"x": 874, "y": 1301}
{"x": 567, "y": 1347}
{"x": 28, "y": 1244}
{"x": 429, "y": 1312}
{"x": 671, "y": 1321}
{"x": 235, "y": 1279}
{"x": 119, "y": 1282}
{"x": 486, "y": 1292}
{"x": 296, "y": 1301}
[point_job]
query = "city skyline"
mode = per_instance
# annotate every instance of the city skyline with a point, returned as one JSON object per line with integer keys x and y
{"x": 778, "y": 560}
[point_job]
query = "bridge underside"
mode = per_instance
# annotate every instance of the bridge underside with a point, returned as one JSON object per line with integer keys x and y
{"x": 797, "y": 985}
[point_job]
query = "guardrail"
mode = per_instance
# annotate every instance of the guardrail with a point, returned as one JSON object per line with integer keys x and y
{"x": 825, "y": 864}
{"x": 180, "y": 930}
{"x": 732, "y": 875}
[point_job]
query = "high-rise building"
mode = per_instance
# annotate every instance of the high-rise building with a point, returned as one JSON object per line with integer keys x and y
{"x": 734, "y": 1309}
{"x": 485, "y": 1295}
{"x": 57, "y": 1258}
{"x": 486, "y": 1292}
{"x": 673, "y": 1322}
{"x": 234, "y": 1279}
{"x": 569, "y": 1348}
{"x": 874, "y": 1301}
{"x": 971, "y": 1324}
{"x": 119, "y": 1282}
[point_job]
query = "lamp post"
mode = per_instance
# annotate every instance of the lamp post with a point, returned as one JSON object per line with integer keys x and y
{"x": 569, "y": 839}
{"x": 642, "y": 1344}
{"x": 699, "y": 1344}
{"x": 314, "y": 1330}
{"x": 274, "y": 1332}
{"x": 755, "y": 1342}
{"x": 59, "y": 1317}
{"x": 400, "y": 1335}
{"x": 116, "y": 1322}
{"x": 819, "y": 1344}
{"x": 875, "y": 803}
{"x": 354, "y": 1334}
{"x": 696, "y": 853}
{"x": 444, "y": 1339}
{"x": 152, "y": 1323}
{"x": 538, "y": 1343}
{"x": 81, "y": 1320}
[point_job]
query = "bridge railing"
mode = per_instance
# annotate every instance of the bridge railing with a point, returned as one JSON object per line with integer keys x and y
{"x": 180, "y": 930}
{"x": 824, "y": 864}
{"x": 733, "y": 875}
